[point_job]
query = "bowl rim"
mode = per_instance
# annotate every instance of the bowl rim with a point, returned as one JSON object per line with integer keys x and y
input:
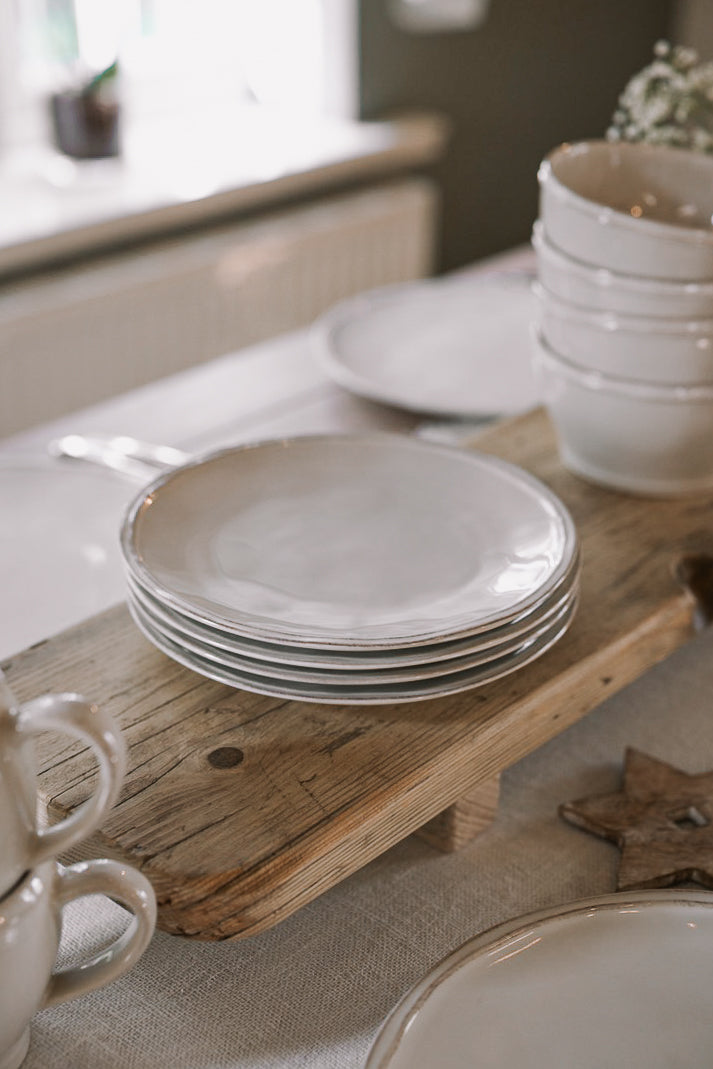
{"x": 700, "y": 392}
{"x": 622, "y": 322}
{"x": 604, "y": 214}
{"x": 604, "y": 277}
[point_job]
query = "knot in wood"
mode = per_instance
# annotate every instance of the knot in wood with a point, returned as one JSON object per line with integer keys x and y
{"x": 225, "y": 757}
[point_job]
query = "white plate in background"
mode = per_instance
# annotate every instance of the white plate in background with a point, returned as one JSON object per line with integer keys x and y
{"x": 458, "y": 346}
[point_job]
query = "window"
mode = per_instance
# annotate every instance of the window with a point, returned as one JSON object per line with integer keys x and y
{"x": 177, "y": 57}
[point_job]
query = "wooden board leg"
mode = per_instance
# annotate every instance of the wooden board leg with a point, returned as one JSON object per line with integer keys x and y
{"x": 695, "y": 571}
{"x": 458, "y": 825}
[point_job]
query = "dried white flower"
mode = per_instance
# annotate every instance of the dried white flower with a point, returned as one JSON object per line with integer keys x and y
{"x": 668, "y": 102}
{"x": 684, "y": 58}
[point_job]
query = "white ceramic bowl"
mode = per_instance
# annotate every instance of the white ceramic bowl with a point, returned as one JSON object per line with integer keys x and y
{"x": 673, "y": 351}
{"x": 639, "y": 209}
{"x": 652, "y": 440}
{"x": 609, "y": 291}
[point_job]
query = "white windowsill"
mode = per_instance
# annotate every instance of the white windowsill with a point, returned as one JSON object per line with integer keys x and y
{"x": 170, "y": 177}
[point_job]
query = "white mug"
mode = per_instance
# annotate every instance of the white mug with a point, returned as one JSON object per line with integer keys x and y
{"x": 23, "y": 844}
{"x": 30, "y": 929}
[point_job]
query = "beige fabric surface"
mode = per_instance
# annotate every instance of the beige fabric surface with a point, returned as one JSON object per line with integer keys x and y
{"x": 314, "y": 990}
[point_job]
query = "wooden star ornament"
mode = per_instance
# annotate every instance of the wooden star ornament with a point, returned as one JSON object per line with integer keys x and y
{"x": 662, "y": 820}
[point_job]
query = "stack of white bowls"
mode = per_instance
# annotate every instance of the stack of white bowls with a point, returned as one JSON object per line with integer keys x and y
{"x": 623, "y": 344}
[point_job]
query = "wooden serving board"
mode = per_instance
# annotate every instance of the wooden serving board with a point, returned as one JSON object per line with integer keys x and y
{"x": 241, "y": 808}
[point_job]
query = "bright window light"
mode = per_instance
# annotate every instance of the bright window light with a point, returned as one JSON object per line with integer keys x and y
{"x": 182, "y": 55}
{"x": 283, "y": 52}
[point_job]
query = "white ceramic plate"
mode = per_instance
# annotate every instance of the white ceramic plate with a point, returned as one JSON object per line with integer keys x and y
{"x": 349, "y": 541}
{"x": 620, "y": 980}
{"x": 211, "y": 638}
{"x": 358, "y": 694}
{"x": 361, "y": 675}
{"x": 447, "y": 347}
{"x": 59, "y": 558}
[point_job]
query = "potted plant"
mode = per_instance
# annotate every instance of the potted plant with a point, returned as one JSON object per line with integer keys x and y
{"x": 85, "y": 120}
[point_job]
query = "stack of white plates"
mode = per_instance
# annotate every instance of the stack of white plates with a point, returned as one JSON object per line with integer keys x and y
{"x": 352, "y": 569}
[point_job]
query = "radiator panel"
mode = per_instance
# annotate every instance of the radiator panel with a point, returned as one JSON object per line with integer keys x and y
{"x": 86, "y": 333}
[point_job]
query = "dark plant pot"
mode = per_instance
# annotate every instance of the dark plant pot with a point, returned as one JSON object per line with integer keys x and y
{"x": 84, "y": 127}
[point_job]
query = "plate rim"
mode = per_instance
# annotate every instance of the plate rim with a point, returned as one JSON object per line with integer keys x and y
{"x": 305, "y": 656}
{"x": 348, "y": 694}
{"x": 415, "y": 673}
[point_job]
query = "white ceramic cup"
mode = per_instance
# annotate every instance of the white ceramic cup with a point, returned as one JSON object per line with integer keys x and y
{"x": 30, "y": 931}
{"x": 24, "y": 844}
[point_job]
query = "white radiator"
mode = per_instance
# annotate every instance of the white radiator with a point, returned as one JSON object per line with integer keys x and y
{"x": 76, "y": 336}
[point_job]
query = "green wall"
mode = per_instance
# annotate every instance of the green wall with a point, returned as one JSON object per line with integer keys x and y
{"x": 534, "y": 74}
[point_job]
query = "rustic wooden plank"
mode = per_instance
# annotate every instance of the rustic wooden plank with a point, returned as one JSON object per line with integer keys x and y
{"x": 315, "y": 791}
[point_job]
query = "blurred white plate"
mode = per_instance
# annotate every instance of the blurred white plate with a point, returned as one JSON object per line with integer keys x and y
{"x": 620, "y": 980}
{"x": 349, "y": 541}
{"x": 447, "y": 347}
{"x": 59, "y": 547}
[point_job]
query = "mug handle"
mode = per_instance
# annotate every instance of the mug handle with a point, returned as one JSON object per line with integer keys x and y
{"x": 70, "y": 714}
{"x": 132, "y": 890}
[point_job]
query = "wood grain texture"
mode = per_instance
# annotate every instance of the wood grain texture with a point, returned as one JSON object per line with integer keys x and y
{"x": 317, "y": 791}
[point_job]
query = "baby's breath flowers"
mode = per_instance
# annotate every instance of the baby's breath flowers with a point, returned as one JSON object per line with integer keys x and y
{"x": 669, "y": 102}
